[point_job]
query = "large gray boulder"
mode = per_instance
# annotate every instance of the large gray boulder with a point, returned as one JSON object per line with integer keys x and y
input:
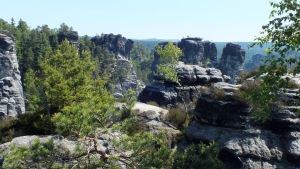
{"x": 231, "y": 62}
{"x": 11, "y": 91}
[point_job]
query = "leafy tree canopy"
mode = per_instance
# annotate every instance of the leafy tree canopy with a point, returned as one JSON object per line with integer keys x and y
{"x": 169, "y": 57}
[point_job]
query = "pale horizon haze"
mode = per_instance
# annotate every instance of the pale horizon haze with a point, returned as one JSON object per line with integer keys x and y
{"x": 214, "y": 20}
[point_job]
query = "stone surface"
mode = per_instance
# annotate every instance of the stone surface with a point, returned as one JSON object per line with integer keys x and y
{"x": 231, "y": 62}
{"x": 155, "y": 119}
{"x": 11, "y": 91}
{"x": 195, "y": 75}
{"x": 222, "y": 117}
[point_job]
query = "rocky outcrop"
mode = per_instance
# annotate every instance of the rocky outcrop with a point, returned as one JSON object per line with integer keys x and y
{"x": 121, "y": 48}
{"x": 223, "y": 117}
{"x": 231, "y": 62}
{"x": 11, "y": 91}
{"x": 71, "y": 36}
{"x": 193, "y": 50}
{"x": 196, "y": 52}
{"x": 191, "y": 78}
{"x": 117, "y": 44}
{"x": 210, "y": 53}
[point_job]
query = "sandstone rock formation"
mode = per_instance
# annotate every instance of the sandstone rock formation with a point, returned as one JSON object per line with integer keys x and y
{"x": 71, "y": 36}
{"x": 11, "y": 91}
{"x": 196, "y": 52}
{"x": 191, "y": 78}
{"x": 121, "y": 47}
{"x": 117, "y": 44}
{"x": 244, "y": 142}
{"x": 231, "y": 62}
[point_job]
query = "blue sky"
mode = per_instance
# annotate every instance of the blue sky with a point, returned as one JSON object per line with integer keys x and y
{"x": 215, "y": 20}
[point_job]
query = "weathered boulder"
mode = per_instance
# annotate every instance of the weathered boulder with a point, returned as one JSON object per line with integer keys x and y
{"x": 154, "y": 119}
{"x": 117, "y": 44}
{"x": 159, "y": 93}
{"x": 120, "y": 47}
{"x": 191, "y": 78}
{"x": 196, "y": 75}
{"x": 231, "y": 62}
{"x": 11, "y": 91}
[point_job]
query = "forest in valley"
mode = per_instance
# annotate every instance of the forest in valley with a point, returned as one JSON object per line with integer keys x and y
{"x": 110, "y": 102}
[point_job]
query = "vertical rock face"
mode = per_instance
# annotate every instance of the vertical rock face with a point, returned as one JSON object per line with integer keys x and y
{"x": 210, "y": 52}
{"x": 232, "y": 59}
{"x": 193, "y": 50}
{"x": 11, "y": 91}
{"x": 121, "y": 47}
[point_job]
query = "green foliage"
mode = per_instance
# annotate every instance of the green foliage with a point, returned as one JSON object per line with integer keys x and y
{"x": 283, "y": 32}
{"x": 198, "y": 156}
{"x": 80, "y": 103}
{"x": 6, "y": 129}
{"x": 177, "y": 116}
{"x": 169, "y": 57}
{"x": 142, "y": 59}
{"x": 147, "y": 150}
{"x": 218, "y": 94}
{"x": 37, "y": 155}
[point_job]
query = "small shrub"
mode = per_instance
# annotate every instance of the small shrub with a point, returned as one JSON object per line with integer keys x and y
{"x": 7, "y": 130}
{"x": 121, "y": 100}
{"x": 198, "y": 156}
{"x": 153, "y": 103}
{"x": 177, "y": 116}
{"x": 218, "y": 94}
{"x": 243, "y": 76}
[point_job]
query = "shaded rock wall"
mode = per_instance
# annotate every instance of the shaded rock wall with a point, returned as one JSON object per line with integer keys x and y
{"x": 11, "y": 91}
{"x": 231, "y": 62}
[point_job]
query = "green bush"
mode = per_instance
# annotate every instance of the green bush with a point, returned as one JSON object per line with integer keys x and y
{"x": 177, "y": 116}
{"x": 7, "y": 130}
{"x": 218, "y": 94}
{"x": 198, "y": 156}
